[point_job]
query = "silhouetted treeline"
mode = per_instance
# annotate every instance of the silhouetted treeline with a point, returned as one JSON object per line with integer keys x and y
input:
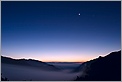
{"x": 3, "y": 79}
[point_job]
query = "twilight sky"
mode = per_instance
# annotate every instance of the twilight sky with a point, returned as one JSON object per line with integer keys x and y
{"x": 53, "y": 31}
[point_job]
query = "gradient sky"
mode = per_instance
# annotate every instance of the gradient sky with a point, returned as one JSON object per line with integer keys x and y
{"x": 53, "y": 31}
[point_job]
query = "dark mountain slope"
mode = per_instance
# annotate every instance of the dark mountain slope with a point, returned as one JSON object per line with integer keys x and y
{"x": 106, "y": 68}
{"x": 13, "y": 61}
{"x": 29, "y": 62}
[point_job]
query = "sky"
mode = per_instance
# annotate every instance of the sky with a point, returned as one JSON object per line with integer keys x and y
{"x": 54, "y": 31}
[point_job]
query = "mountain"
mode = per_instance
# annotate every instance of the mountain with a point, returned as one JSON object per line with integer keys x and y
{"x": 29, "y": 63}
{"x": 107, "y": 68}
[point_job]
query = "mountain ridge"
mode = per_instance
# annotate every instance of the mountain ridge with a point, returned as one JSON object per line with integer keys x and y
{"x": 28, "y": 62}
{"x": 107, "y": 68}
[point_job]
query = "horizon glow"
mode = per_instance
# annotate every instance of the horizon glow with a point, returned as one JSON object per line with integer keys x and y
{"x": 53, "y": 31}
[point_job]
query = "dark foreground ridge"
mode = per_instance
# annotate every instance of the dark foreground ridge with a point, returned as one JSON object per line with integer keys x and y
{"x": 106, "y": 68}
{"x": 29, "y": 63}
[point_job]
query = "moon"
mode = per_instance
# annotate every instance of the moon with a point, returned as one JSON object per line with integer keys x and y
{"x": 79, "y": 14}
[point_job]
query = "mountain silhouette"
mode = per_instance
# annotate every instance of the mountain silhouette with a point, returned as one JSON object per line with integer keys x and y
{"x": 107, "y": 68}
{"x": 29, "y": 63}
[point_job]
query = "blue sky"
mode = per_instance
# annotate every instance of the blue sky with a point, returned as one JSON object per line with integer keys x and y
{"x": 53, "y": 31}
